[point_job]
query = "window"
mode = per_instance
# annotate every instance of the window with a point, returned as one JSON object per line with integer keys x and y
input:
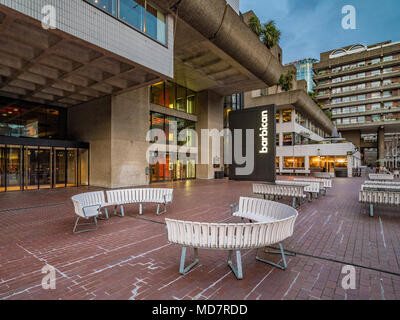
{"x": 278, "y": 116}
{"x": 375, "y": 61}
{"x": 375, "y": 106}
{"x": 375, "y": 95}
{"x": 337, "y": 101}
{"x": 335, "y": 80}
{"x": 315, "y": 162}
{"x": 361, "y": 119}
{"x": 346, "y": 99}
{"x": 133, "y": 13}
{"x": 340, "y": 162}
{"x": 361, "y": 86}
{"x": 387, "y": 82}
{"x": 375, "y": 72}
{"x": 361, "y": 108}
{"x": 287, "y": 115}
{"x": 287, "y": 139}
{"x": 345, "y": 78}
{"x": 361, "y": 75}
{"x": 388, "y": 58}
{"x": 155, "y": 24}
{"x": 387, "y": 94}
{"x": 375, "y": 84}
{"x": 109, "y": 6}
{"x": 387, "y": 70}
{"x": 361, "y": 64}
{"x": 277, "y": 139}
{"x": 388, "y": 105}
{"x": 361, "y": 97}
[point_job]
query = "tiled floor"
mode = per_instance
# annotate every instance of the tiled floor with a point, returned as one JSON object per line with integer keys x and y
{"x": 130, "y": 258}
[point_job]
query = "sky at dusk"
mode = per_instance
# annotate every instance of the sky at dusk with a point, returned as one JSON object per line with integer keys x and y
{"x": 310, "y": 27}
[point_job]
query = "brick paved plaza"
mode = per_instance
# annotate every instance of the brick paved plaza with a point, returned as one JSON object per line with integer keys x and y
{"x": 130, "y": 258}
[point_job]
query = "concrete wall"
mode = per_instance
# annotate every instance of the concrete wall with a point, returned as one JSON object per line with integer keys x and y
{"x": 90, "y": 122}
{"x": 210, "y": 116}
{"x": 129, "y": 126}
{"x": 353, "y": 136}
{"x": 82, "y": 20}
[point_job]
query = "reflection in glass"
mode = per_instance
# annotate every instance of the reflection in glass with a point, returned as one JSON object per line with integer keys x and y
{"x": 132, "y": 12}
{"x": 72, "y": 157}
{"x": 155, "y": 24}
{"x": 2, "y": 168}
{"x": 83, "y": 167}
{"x": 45, "y": 168}
{"x": 60, "y": 168}
{"x": 14, "y": 169}
{"x": 31, "y": 168}
{"x": 108, "y": 6}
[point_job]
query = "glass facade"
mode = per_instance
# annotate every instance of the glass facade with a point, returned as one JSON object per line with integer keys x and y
{"x": 233, "y": 102}
{"x": 171, "y": 95}
{"x": 139, "y": 14}
{"x": 165, "y": 169}
{"x": 305, "y": 71}
{"x": 26, "y": 119}
{"x": 37, "y": 167}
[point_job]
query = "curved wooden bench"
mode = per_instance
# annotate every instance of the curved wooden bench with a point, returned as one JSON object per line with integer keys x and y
{"x": 236, "y": 236}
{"x": 148, "y": 195}
{"x": 88, "y": 205}
{"x": 296, "y": 192}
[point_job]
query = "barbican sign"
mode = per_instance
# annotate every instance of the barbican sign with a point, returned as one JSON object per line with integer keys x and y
{"x": 263, "y": 121}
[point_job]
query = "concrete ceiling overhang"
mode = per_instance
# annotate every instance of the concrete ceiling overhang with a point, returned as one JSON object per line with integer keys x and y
{"x": 216, "y": 50}
{"x": 52, "y": 67}
{"x": 301, "y": 101}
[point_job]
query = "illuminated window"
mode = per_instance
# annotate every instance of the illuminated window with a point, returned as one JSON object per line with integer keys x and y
{"x": 287, "y": 115}
{"x": 341, "y": 162}
{"x": 287, "y": 139}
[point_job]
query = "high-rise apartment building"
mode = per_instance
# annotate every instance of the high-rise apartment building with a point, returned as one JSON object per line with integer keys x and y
{"x": 305, "y": 71}
{"x": 360, "y": 85}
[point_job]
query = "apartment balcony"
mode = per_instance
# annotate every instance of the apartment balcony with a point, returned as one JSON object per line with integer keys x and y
{"x": 361, "y": 91}
{"x": 365, "y": 113}
{"x": 357, "y": 81}
{"x": 391, "y": 125}
{"x": 369, "y": 67}
{"x": 362, "y": 102}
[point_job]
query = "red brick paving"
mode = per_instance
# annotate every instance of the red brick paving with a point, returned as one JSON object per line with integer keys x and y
{"x": 130, "y": 258}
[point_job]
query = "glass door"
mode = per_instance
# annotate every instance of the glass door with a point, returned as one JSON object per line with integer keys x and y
{"x": 45, "y": 168}
{"x": 60, "y": 165}
{"x": 83, "y": 167}
{"x": 72, "y": 166}
{"x": 13, "y": 168}
{"x": 2, "y": 168}
{"x": 31, "y": 168}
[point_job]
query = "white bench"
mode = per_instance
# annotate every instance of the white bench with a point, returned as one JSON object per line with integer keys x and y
{"x": 379, "y": 197}
{"x": 296, "y": 192}
{"x": 381, "y": 177}
{"x": 288, "y": 171}
{"x": 313, "y": 188}
{"x": 88, "y": 205}
{"x": 386, "y": 183}
{"x": 324, "y": 175}
{"x": 396, "y": 173}
{"x": 235, "y": 236}
{"x": 302, "y": 171}
{"x": 324, "y": 183}
{"x": 131, "y": 196}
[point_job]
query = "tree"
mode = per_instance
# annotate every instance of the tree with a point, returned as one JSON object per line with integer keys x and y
{"x": 255, "y": 25}
{"x": 328, "y": 114}
{"x": 270, "y": 35}
{"x": 286, "y": 81}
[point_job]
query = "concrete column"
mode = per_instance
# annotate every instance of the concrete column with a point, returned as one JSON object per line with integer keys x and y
{"x": 210, "y": 116}
{"x": 381, "y": 144}
{"x": 129, "y": 126}
{"x": 116, "y": 128}
{"x": 90, "y": 122}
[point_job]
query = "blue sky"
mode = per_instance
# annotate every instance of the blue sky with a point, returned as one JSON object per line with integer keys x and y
{"x": 310, "y": 27}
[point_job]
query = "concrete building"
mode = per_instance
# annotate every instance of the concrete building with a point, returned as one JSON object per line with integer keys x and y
{"x": 304, "y": 71}
{"x": 360, "y": 85}
{"x": 78, "y": 100}
{"x": 302, "y": 133}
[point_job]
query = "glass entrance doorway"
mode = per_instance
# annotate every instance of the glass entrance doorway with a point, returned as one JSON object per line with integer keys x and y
{"x": 34, "y": 167}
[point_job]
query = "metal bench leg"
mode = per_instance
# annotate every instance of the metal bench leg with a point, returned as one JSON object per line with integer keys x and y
{"x": 122, "y": 211}
{"x": 309, "y": 197}
{"x": 140, "y": 208}
{"x": 182, "y": 269}
{"x": 105, "y": 213}
{"x": 282, "y": 252}
{"x": 371, "y": 210}
{"x": 85, "y": 224}
{"x": 294, "y": 202}
{"x": 158, "y": 209}
{"x": 237, "y": 271}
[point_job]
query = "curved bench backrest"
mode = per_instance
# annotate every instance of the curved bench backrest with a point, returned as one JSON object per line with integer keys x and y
{"x": 311, "y": 186}
{"x": 271, "y": 189}
{"x": 86, "y": 200}
{"x": 228, "y": 236}
{"x": 264, "y": 210}
{"x": 139, "y": 195}
{"x": 379, "y": 197}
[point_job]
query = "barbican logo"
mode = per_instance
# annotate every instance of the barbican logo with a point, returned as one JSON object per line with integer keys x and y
{"x": 264, "y": 132}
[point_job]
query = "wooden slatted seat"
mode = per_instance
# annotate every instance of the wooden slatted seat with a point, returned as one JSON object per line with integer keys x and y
{"x": 296, "y": 192}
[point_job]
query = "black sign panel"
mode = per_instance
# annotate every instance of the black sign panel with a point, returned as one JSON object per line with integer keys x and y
{"x": 263, "y": 121}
